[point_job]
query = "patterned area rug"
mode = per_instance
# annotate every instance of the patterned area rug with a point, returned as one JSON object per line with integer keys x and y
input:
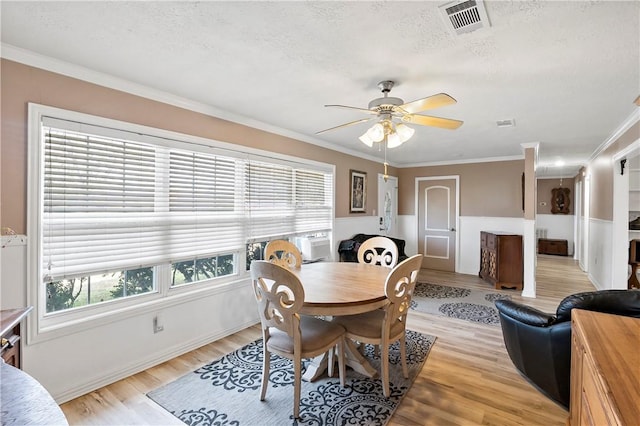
{"x": 456, "y": 302}
{"x": 227, "y": 391}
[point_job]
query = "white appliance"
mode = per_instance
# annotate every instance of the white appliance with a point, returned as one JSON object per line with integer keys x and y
{"x": 314, "y": 248}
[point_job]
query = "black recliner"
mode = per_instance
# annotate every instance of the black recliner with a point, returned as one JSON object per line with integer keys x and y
{"x": 539, "y": 344}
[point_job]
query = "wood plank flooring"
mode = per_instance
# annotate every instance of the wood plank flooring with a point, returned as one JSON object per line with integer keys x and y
{"x": 468, "y": 378}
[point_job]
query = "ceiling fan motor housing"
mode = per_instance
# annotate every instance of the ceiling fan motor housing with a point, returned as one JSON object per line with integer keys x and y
{"x": 386, "y": 103}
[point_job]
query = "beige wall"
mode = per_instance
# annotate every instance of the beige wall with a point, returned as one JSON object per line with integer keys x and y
{"x": 602, "y": 170}
{"x": 486, "y": 189}
{"x": 544, "y": 193}
{"x": 22, "y": 84}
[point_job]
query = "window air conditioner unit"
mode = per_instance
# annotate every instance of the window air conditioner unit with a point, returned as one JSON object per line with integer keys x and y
{"x": 314, "y": 248}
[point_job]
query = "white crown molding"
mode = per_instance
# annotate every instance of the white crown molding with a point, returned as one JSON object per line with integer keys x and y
{"x": 631, "y": 149}
{"x": 633, "y": 118}
{"x": 48, "y": 63}
{"x": 468, "y": 161}
{"x": 535, "y": 145}
{"x": 565, "y": 176}
{"x": 57, "y": 66}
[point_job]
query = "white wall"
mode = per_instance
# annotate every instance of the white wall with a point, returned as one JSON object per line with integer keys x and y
{"x": 469, "y": 233}
{"x": 347, "y": 227}
{"x": 121, "y": 345}
{"x": 558, "y": 226}
{"x": 600, "y": 253}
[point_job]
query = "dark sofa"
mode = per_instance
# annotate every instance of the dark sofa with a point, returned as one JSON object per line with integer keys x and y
{"x": 539, "y": 344}
{"x": 348, "y": 249}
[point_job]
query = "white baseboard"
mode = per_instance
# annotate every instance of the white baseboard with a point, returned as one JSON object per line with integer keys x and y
{"x": 174, "y": 351}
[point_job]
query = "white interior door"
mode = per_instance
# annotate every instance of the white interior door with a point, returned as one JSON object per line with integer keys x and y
{"x": 437, "y": 222}
{"x": 388, "y": 205}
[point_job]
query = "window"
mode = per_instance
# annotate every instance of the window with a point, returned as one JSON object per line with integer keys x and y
{"x": 125, "y": 212}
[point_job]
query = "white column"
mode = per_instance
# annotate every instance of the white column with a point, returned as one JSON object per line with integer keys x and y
{"x": 529, "y": 229}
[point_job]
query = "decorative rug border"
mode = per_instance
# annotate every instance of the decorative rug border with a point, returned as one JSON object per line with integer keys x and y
{"x": 203, "y": 392}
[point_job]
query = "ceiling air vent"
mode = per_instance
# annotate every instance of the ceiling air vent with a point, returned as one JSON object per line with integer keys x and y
{"x": 506, "y": 123}
{"x": 465, "y": 16}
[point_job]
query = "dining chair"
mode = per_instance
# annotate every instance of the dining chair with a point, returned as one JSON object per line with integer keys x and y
{"x": 285, "y": 332}
{"x": 386, "y": 325}
{"x": 378, "y": 251}
{"x": 283, "y": 253}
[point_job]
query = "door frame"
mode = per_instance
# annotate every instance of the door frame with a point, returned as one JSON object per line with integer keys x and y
{"x": 620, "y": 220}
{"x": 457, "y": 217}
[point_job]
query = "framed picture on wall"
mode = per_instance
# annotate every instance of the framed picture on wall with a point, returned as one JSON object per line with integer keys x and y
{"x": 358, "y": 191}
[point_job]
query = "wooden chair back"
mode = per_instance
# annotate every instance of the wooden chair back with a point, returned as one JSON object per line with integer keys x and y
{"x": 280, "y": 297}
{"x": 378, "y": 251}
{"x": 283, "y": 253}
{"x": 399, "y": 288}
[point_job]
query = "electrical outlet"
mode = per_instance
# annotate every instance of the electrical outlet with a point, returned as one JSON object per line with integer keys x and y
{"x": 157, "y": 325}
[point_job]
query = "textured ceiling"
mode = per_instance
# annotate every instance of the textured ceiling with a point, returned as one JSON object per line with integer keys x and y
{"x": 566, "y": 72}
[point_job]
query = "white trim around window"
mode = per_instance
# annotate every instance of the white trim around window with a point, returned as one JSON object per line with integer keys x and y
{"x": 302, "y": 202}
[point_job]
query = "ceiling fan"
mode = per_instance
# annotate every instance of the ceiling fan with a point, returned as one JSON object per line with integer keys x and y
{"x": 388, "y": 108}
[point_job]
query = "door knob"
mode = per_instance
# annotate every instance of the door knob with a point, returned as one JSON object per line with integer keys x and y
{"x": 453, "y": 229}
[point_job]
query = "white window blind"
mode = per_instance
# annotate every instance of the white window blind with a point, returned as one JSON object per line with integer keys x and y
{"x": 284, "y": 200}
{"x": 111, "y": 202}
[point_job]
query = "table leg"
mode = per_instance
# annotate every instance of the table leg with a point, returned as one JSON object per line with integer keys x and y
{"x": 352, "y": 357}
{"x": 316, "y": 367}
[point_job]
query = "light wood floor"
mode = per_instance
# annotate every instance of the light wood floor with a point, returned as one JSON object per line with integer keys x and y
{"x": 468, "y": 378}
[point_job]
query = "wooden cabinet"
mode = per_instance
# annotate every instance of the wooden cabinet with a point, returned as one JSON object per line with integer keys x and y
{"x": 10, "y": 332}
{"x": 501, "y": 259}
{"x": 604, "y": 369}
{"x": 549, "y": 246}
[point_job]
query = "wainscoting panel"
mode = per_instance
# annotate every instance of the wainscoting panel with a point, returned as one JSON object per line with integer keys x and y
{"x": 347, "y": 227}
{"x": 558, "y": 226}
{"x": 13, "y": 268}
{"x": 600, "y": 253}
{"x": 469, "y": 229}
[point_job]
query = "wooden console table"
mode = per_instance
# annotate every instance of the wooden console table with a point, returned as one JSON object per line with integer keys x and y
{"x": 551, "y": 246}
{"x": 10, "y": 320}
{"x": 604, "y": 369}
{"x": 501, "y": 261}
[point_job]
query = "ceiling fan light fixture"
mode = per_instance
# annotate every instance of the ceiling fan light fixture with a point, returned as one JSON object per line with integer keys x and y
{"x": 394, "y": 140}
{"x": 365, "y": 139}
{"x": 404, "y": 132}
{"x": 376, "y": 132}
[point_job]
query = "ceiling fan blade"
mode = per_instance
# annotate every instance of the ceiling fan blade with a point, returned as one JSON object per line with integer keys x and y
{"x": 426, "y": 120}
{"x": 430, "y": 102}
{"x": 344, "y": 125}
{"x": 365, "y": 110}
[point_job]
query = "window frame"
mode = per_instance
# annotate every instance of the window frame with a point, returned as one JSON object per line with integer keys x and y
{"x": 44, "y": 326}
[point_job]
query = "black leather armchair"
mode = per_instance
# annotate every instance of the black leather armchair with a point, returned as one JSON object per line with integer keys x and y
{"x": 539, "y": 344}
{"x": 348, "y": 249}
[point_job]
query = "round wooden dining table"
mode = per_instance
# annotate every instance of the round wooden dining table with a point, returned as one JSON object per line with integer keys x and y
{"x": 342, "y": 288}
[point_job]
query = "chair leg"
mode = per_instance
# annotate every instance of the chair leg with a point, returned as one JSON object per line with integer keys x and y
{"x": 330, "y": 361}
{"x": 297, "y": 379}
{"x": 384, "y": 362}
{"x": 341, "y": 363}
{"x": 403, "y": 356}
{"x": 266, "y": 362}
